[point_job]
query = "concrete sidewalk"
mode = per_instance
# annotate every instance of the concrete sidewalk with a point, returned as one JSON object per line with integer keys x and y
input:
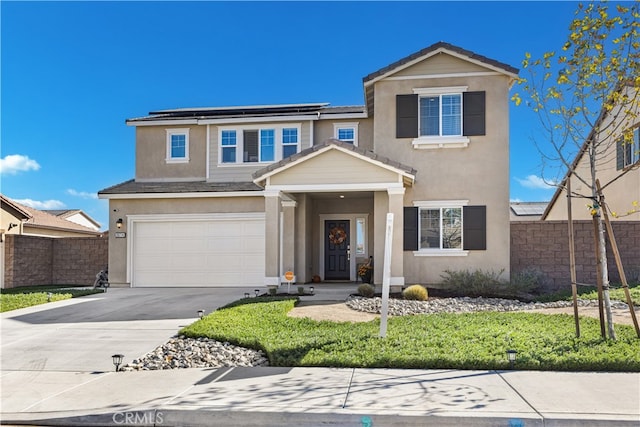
{"x": 321, "y": 396}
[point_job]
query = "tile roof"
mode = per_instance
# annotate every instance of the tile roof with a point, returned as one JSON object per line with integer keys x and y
{"x": 433, "y": 48}
{"x": 42, "y": 219}
{"x": 133, "y": 187}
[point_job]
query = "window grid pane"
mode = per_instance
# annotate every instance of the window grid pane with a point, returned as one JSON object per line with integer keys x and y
{"x": 451, "y": 115}
{"x": 451, "y": 228}
{"x": 267, "y": 139}
{"x": 290, "y": 136}
{"x": 178, "y": 146}
{"x": 430, "y": 116}
{"x": 346, "y": 135}
{"x": 228, "y": 137}
{"x": 430, "y": 229}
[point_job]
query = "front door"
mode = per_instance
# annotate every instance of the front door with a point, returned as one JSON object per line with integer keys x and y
{"x": 336, "y": 250}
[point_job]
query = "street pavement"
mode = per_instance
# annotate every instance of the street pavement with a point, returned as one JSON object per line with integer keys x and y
{"x": 57, "y": 370}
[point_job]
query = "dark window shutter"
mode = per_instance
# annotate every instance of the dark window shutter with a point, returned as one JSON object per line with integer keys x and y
{"x": 410, "y": 229}
{"x": 473, "y": 122}
{"x": 475, "y": 228}
{"x": 406, "y": 116}
{"x": 619, "y": 155}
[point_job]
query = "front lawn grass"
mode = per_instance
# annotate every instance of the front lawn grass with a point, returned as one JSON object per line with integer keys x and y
{"x": 15, "y": 298}
{"x": 616, "y": 293}
{"x": 435, "y": 341}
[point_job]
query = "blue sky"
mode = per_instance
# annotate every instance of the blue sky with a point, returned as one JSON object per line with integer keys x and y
{"x": 72, "y": 72}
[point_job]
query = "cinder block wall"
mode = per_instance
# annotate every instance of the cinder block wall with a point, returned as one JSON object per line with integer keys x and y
{"x": 33, "y": 261}
{"x": 545, "y": 245}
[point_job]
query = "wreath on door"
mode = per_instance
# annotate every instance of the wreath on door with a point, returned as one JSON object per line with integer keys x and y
{"x": 337, "y": 235}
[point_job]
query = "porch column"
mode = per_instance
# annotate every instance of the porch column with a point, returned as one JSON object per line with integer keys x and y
{"x": 289, "y": 238}
{"x": 396, "y": 203}
{"x": 272, "y": 208}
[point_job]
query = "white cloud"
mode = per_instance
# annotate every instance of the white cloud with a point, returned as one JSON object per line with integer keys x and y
{"x": 536, "y": 183}
{"x": 14, "y": 163}
{"x": 82, "y": 194}
{"x": 47, "y": 204}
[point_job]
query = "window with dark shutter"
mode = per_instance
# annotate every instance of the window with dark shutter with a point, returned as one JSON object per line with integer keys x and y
{"x": 473, "y": 105}
{"x": 475, "y": 228}
{"x": 406, "y": 116}
{"x": 410, "y": 229}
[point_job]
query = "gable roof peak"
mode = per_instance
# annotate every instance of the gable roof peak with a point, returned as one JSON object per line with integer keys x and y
{"x": 435, "y": 48}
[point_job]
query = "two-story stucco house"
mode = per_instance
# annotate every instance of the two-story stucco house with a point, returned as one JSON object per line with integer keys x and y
{"x": 238, "y": 195}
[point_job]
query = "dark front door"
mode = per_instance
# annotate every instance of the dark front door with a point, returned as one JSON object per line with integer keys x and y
{"x": 336, "y": 247}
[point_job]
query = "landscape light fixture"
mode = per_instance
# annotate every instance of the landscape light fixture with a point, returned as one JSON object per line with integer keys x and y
{"x": 201, "y": 313}
{"x": 246, "y": 294}
{"x": 511, "y": 357}
{"x": 257, "y": 291}
{"x": 311, "y": 289}
{"x": 49, "y": 295}
{"x": 119, "y": 223}
{"x": 117, "y": 360}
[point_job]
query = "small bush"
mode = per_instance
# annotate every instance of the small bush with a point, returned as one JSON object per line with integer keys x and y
{"x": 416, "y": 293}
{"x": 366, "y": 290}
{"x": 478, "y": 283}
{"x": 300, "y": 290}
{"x": 531, "y": 280}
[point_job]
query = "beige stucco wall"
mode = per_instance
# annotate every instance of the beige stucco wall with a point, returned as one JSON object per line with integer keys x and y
{"x": 151, "y": 154}
{"x": 478, "y": 173}
{"x": 121, "y": 208}
{"x": 325, "y": 129}
{"x": 441, "y": 63}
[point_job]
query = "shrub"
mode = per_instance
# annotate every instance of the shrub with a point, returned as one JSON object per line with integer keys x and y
{"x": 416, "y": 292}
{"x": 300, "y": 290}
{"x": 531, "y": 280}
{"x": 475, "y": 283}
{"x": 366, "y": 290}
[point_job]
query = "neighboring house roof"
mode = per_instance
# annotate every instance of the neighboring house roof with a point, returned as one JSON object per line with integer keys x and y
{"x": 296, "y": 158}
{"x": 137, "y": 187}
{"x": 45, "y": 221}
{"x": 527, "y": 211}
{"x": 70, "y": 214}
{"x": 19, "y": 210}
{"x": 243, "y": 112}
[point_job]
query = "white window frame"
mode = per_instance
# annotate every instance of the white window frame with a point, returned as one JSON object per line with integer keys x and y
{"x": 278, "y": 135}
{"x": 441, "y": 141}
{"x": 441, "y": 204}
{"x": 289, "y": 144}
{"x": 222, "y": 147}
{"x": 631, "y": 150}
{"x": 176, "y": 131}
{"x": 352, "y": 126}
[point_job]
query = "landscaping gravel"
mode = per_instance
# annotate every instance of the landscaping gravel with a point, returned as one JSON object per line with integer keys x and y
{"x": 183, "y": 352}
{"x": 399, "y": 307}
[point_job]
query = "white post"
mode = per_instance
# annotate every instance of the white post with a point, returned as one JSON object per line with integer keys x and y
{"x": 386, "y": 276}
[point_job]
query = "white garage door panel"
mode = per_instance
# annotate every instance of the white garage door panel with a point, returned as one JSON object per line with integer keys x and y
{"x": 212, "y": 252}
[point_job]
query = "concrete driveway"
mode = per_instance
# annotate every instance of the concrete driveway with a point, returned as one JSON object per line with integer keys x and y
{"x": 81, "y": 334}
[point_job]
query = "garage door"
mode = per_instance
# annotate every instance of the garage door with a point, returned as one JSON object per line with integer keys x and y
{"x": 212, "y": 252}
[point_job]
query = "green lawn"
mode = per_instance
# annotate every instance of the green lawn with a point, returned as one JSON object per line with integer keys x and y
{"x": 615, "y": 293}
{"x": 15, "y": 298}
{"x": 456, "y": 341}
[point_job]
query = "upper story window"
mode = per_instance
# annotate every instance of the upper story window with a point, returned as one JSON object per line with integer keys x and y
{"x": 440, "y": 117}
{"x": 228, "y": 141}
{"x": 289, "y": 142}
{"x": 628, "y": 153}
{"x": 346, "y": 132}
{"x": 246, "y": 144}
{"x": 177, "y": 145}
